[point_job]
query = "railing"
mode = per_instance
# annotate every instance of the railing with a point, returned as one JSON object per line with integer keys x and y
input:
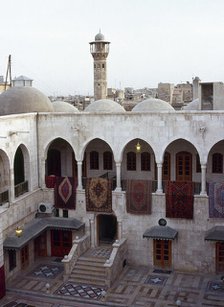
{"x": 4, "y": 197}
{"x": 117, "y": 261}
{"x": 21, "y": 188}
{"x": 196, "y": 186}
{"x": 84, "y": 180}
{"x": 78, "y": 248}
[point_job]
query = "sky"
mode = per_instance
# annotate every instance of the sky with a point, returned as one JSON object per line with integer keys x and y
{"x": 152, "y": 41}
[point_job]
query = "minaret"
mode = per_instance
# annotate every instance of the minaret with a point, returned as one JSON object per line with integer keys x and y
{"x": 100, "y": 50}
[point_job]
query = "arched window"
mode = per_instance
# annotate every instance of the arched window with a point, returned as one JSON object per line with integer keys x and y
{"x": 107, "y": 160}
{"x": 217, "y": 163}
{"x": 131, "y": 161}
{"x": 94, "y": 160}
{"x": 145, "y": 161}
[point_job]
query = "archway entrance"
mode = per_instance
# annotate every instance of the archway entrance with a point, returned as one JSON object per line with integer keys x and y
{"x": 107, "y": 228}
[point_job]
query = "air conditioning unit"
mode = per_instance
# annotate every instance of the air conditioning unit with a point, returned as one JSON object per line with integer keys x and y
{"x": 45, "y": 208}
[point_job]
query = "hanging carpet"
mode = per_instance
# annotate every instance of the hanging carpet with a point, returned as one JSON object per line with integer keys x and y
{"x": 216, "y": 199}
{"x": 138, "y": 196}
{"x": 65, "y": 192}
{"x": 179, "y": 199}
{"x": 99, "y": 195}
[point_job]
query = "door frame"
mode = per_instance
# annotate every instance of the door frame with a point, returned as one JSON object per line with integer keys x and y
{"x": 161, "y": 252}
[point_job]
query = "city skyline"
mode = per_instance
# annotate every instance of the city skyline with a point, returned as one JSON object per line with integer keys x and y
{"x": 151, "y": 42}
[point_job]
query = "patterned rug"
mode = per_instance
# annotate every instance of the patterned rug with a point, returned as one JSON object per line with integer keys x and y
{"x": 98, "y": 195}
{"x": 138, "y": 194}
{"x": 216, "y": 199}
{"x": 47, "y": 271}
{"x": 179, "y": 199}
{"x": 76, "y": 290}
{"x": 65, "y": 188}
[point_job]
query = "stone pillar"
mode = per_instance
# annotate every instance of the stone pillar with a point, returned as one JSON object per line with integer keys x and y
{"x": 118, "y": 177}
{"x": 2, "y": 270}
{"x": 79, "y": 164}
{"x": 203, "y": 179}
{"x": 12, "y": 187}
{"x": 119, "y": 230}
{"x": 42, "y": 173}
{"x": 159, "y": 176}
{"x": 92, "y": 232}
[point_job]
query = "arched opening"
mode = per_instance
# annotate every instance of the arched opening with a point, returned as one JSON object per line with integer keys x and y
{"x": 107, "y": 228}
{"x": 138, "y": 163}
{"x": 19, "y": 174}
{"x": 99, "y": 162}
{"x": 60, "y": 162}
{"x": 21, "y": 171}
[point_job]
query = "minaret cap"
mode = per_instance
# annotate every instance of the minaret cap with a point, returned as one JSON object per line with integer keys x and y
{"x": 99, "y": 36}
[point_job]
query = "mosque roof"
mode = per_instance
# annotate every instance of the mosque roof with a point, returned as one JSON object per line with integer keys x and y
{"x": 24, "y": 100}
{"x": 153, "y": 105}
{"x": 193, "y": 105}
{"x": 104, "y": 106}
{"x": 62, "y": 106}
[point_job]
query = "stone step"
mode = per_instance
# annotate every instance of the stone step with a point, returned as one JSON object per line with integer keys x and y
{"x": 92, "y": 268}
{"x": 87, "y": 281}
{"x": 90, "y": 263}
{"x": 83, "y": 272}
{"x": 92, "y": 259}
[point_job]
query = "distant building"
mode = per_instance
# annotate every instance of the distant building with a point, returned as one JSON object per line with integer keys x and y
{"x": 22, "y": 81}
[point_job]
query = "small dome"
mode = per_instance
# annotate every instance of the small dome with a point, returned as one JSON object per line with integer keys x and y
{"x": 62, "y": 106}
{"x": 153, "y": 105}
{"x": 193, "y": 105}
{"x": 99, "y": 37}
{"x": 104, "y": 106}
{"x": 24, "y": 100}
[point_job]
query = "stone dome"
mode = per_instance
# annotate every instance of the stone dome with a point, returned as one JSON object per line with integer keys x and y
{"x": 99, "y": 37}
{"x": 153, "y": 105}
{"x": 24, "y": 100}
{"x": 62, "y": 106}
{"x": 193, "y": 105}
{"x": 104, "y": 106}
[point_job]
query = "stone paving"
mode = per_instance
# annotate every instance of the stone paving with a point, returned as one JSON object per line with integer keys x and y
{"x": 136, "y": 287}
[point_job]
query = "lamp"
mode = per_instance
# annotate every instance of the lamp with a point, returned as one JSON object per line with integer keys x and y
{"x": 138, "y": 147}
{"x": 19, "y": 231}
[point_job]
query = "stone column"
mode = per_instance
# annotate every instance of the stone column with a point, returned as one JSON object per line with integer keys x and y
{"x": 203, "y": 179}
{"x": 159, "y": 176}
{"x": 119, "y": 230}
{"x": 42, "y": 173}
{"x": 92, "y": 232}
{"x": 118, "y": 173}
{"x": 2, "y": 270}
{"x": 79, "y": 164}
{"x": 11, "y": 185}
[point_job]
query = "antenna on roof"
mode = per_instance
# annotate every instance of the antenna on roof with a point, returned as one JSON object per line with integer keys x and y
{"x": 8, "y": 73}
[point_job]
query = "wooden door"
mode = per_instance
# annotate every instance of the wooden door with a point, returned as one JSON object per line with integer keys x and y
{"x": 40, "y": 245}
{"x": 61, "y": 242}
{"x": 162, "y": 253}
{"x": 24, "y": 254}
{"x": 220, "y": 257}
{"x": 183, "y": 166}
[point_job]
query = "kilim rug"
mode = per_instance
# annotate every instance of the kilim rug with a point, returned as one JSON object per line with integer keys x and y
{"x": 64, "y": 193}
{"x": 98, "y": 195}
{"x": 138, "y": 195}
{"x": 179, "y": 199}
{"x": 216, "y": 199}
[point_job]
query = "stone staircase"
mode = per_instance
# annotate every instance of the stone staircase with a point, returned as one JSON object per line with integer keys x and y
{"x": 89, "y": 268}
